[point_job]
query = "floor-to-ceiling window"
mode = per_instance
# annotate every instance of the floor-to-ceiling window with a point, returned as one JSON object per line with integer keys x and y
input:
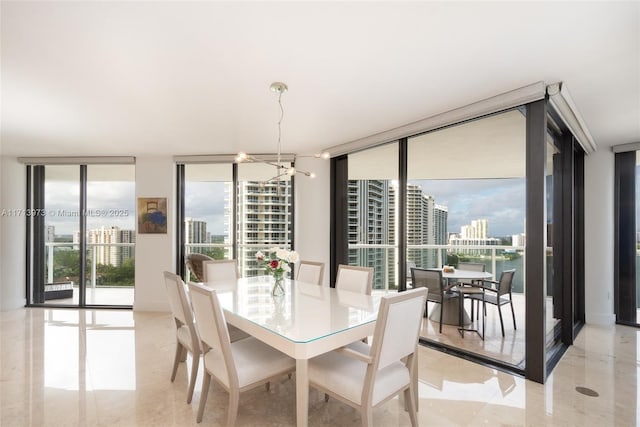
{"x": 208, "y": 194}
{"x": 465, "y": 204}
{"x": 499, "y": 189}
{"x": 372, "y": 196}
{"x": 627, "y": 294}
{"x": 81, "y": 222}
{"x": 231, "y": 211}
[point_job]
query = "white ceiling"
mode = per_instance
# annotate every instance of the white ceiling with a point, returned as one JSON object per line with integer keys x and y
{"x": 132, "y": 78}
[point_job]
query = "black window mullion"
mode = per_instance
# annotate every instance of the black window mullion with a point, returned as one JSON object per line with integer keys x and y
{"x": 82, "y": 237}
{"x": 180, "y": 237}
{"x": 37, "y": 281}
{"x": 402, "y": 218}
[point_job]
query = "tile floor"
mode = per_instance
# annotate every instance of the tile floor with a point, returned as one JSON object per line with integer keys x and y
{"x": 112, "y": 367}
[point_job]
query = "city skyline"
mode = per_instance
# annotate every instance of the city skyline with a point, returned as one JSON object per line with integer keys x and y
{"x": 206, "y": 202}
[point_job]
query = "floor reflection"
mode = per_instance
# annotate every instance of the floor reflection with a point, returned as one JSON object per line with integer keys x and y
{"x": 98, "y": 368}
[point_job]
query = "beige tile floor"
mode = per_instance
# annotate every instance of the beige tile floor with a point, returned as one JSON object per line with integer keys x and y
{"x": 111, "y": 368}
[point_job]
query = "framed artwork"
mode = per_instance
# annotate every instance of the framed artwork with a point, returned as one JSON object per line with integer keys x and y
{"x": 152, "y": 215}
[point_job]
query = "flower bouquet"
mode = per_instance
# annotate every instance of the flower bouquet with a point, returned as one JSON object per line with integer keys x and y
{"x": 276, "y": 265}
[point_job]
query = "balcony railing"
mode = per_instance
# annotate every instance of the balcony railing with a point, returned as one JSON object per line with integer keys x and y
{"x": 92, "y": 258}
{"x": 383, "y": 258}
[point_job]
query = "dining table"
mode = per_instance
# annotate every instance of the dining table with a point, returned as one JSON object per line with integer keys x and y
{"x": 454, "y": 313}
{"x": 308, "y": 320}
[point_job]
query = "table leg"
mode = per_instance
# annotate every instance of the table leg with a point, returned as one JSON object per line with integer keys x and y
{"x": 302, "y": 392}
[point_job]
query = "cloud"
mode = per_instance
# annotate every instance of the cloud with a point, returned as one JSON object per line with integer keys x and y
{"x": 500, "y": 201}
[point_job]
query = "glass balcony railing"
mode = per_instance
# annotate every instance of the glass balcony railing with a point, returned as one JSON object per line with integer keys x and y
{"x": 108, "y": 264}
{"x": 383, "y": 258}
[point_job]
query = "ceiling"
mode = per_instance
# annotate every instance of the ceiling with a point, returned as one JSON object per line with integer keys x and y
{"x": 144, "y": 78}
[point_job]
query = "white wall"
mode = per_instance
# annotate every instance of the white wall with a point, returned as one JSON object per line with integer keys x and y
{"x": 599, "y": 235}
{"x": 12, "y": 234}
{"x": 155, "y": 177}
{"x": 312, "y": 210}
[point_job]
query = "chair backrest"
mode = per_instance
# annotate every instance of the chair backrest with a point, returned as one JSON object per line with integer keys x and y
{"x": 220, "y": 271}
{"x": 430, "y": 279}
{"x": 471, "y": 266}
{"x": 410, "y": 265}
{"x": 506, "y": 280}
{"x": 212, "y": 328}
{"x": 310, "y": 272}
{"x": 179, "y": 302}
{"x": 194, "y": 264}
{"x": 354, "y": 279}
{"x": 397, "y": 327}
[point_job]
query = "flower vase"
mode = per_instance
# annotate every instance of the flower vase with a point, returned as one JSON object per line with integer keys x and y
{"x": 278, "y": 285}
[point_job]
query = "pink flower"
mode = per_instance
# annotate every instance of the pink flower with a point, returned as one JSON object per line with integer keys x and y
{"x": 274, "y": 263}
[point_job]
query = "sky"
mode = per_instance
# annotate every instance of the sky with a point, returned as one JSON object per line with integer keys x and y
{"x": 108, "y": 204}
{"x": 500, "y": 201}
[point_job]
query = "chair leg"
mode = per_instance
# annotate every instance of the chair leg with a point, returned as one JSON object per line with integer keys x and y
{"x": 206, "y": 381}
{"x": 513, "y": 313}
{"x": 410, "y": 399}
{"x": 194, "y": 373}
{"x": 441, "y": 311}
{"x": 500, "y": 314}
{"x": 234, "y": 400}
{"x": 366, "y": 414}
{"x": 326, "y": 397}
{"x": 176, "y": 360}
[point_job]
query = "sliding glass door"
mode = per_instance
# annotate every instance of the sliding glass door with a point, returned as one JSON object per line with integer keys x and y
{"x": 82, "y": 235}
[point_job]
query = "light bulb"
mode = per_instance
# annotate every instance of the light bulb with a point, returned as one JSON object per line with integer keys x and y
{"x": 312, "y": 175}
{"x": 291, "y": 171}
{"x": 325, "y": 155}
{"x": 241, "y": 157}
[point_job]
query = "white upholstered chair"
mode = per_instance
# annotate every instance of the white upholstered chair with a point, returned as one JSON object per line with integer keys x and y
{"x": 354, "y": 279}
{"x": 310, "y": 272}
{"x": 364, "y": 376}
{"x": 220, "y": 271}
{"x": 186, "y": 336}
{"x": 238, "y": 366}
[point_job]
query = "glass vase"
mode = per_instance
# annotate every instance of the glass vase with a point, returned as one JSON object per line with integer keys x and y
{"x": 278, "y": 285}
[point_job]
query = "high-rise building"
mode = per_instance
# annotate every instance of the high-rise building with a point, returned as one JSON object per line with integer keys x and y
{"x": 126, "y": 251}
{"x": 263, "y": 220}
{"x": 195, "y": 231}
{"x": 370, "y": 217}
{"x": 105, "y": 253}
{"x": 475, "y": 234}
{"x": 426, "y": 225}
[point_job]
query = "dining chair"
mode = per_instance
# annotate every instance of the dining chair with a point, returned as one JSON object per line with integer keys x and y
{"x": 433, "y": 281}
{"x": 365, "y": 376}
{"x": 310, "y": 272}
{"x": 186, "y": 335}
{"x": 237, "y": 366}
{"x": 465, "y": 286}
{"x": 354, "y": 279}
{"x": 498, "y": 293}
{"x": 218, "y": 271}
{"x": 194, "y": 265}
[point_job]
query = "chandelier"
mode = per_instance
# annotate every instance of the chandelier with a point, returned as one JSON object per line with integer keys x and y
{"x": 281, "y": 170}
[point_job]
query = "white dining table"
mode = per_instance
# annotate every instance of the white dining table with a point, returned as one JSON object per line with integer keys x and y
{"x": 308, "y": 320}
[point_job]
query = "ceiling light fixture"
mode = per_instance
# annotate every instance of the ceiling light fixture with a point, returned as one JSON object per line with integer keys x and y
{"x": 281, "y": 170}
